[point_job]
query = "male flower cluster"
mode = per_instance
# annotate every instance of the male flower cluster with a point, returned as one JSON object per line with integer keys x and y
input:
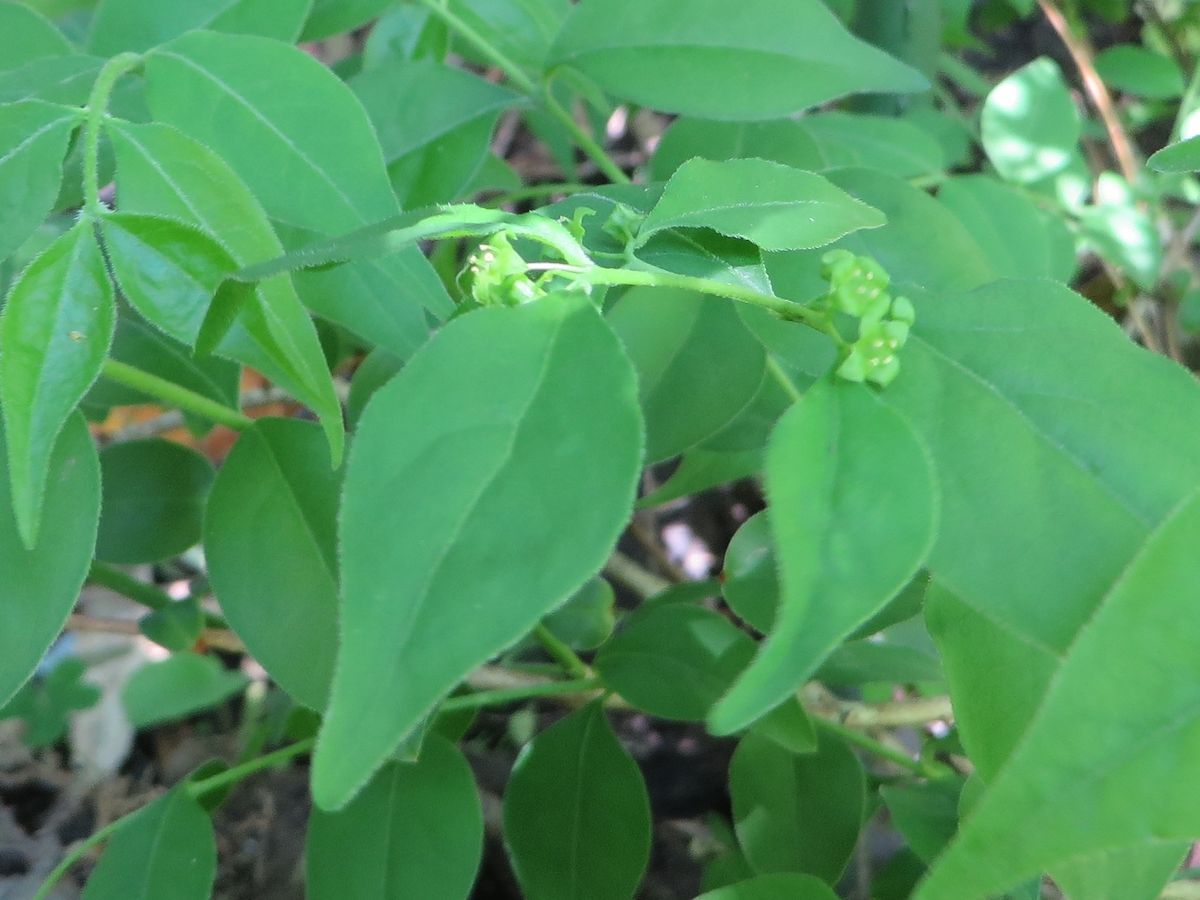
{"x": 858, "y": 286}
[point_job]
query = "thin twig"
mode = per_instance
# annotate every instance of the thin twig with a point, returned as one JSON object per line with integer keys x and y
{"x": 217, "y": 638}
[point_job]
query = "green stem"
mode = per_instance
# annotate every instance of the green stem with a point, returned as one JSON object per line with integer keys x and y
{"x": 97, "y": 106}
{"x": 513, "y": 695}
{"x": 926, "y": 768}
{"x": 174, "y": 395}
{"x": 537, "y": 192}
{"x": 488, "y": 50}
{"x": 194, "y": 789}
{"x": 783, "y": 378}
{"x": 586, "y": 142}
{"x": 139, "y": 591}
{"x": 561, "y": 653}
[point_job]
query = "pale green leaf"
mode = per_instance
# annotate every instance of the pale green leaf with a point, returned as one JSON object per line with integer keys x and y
{"x": 884, "y": 143}
{"x": 576, "y": 814}
{"x": 28, "y": 36}
{"x": 466, "y": 466}
{"x": 180, "y": 685}
{"x": 121, "y": 25}
{"x": 33, "y": 141}
{"x": 783, "y": 141}
{"x": 1181, "y": 157}
{"x": 1139, "y": 70}
{"x": 1029, "y": 124}
{"x": 693, "y": 57}
{"x": 330, "y": 17}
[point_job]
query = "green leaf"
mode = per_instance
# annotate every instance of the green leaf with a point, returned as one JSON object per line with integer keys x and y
{"x": 1138, "y": 70}
{"x": 1181, "y": 157}
{"x": 783, "y": 141}
{"x": 1072, "y": 751}
{"x": 697, "y": 365}
{"x": 330, "y": 17}
{"x": 586, "y": 620}
{"x": 180, "y": 685}
{"x": 751, "y": 583}
{"x": 33, "y": 141}
{"x": 270, "y": 536}
{"x": 1029, "y": 124}
{"x": 40, "y": 586}
{"x": 28, "y": 36}
{"x": 55, "y": 331}
{"x": 121, "y": 25}
{"x": 771, "y": 205}
{"x": 55, "y": 79}
{"x": 522, "y": 30}
{"x": 884, "y": 143}
{"x": 46, "y": 703}
{"x": 701, "y": 469}
{"x": 235, "y": 94}
{"x": 576, "y": 813}
{"x": 926, "y": 814}
{"x": 692, "y": 57}
{"x": 379, "y": 367}
{"x": 154, "y": 493}
{"x": 779, "y": 886}
{"x": 479, "y": 454}
{"x": 162, "y": 172}
{"x": 797, "y": 812}
{"x": 415, "y": 831}
{"x": 1122, "y": 232}
{"x": 176, "y": 626}
{"x": 167, "y": 851}
{"x": 853, "y": 511}
{"x": 674, "y": 661}
{"x": 168, "y": 271}
{"x": 434, "y": 123}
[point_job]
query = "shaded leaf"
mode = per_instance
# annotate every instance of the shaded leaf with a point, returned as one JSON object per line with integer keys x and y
{"x": 180, "y": 685}
{"x": 1029, "y": 124}
{"x": 46, "y": 703}
{"x": 121, "y": 25}
{"x": 586, "y": 620}
{"x": 884, "y": 143}
{"x": 1139, "y": 70}
{"x": 33, "y": 141}
{"x": 28, "y": 36}
{"x": 779, "y": 886}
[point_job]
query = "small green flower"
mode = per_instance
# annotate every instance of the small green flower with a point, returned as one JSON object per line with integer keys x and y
{"x": 499, "y": 277}
{"x": 857, "y": 284}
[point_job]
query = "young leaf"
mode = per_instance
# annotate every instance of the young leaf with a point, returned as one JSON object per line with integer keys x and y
{"x": 466, "y": 466}
{"x": 576, "y": 814}
{"x": 167, "y": 271}
{"x": 674, "y": 661}
{"x": 415, "y": 831}
{"x": 1181, "y": 157}
{"x": 697, "y": 365}
{"x": 779, "y": 886}
{"x": 180, "y": 685}
{"x": 33, "y": 140}
{"x": 797, "y": 812}
{"x": 176, "y": 627}
{"x": 853, "y": 511}
{"x": 164, "y": 173}
{"x": 121, "y": 25}
{"x": 768, "y": 61}
{"x": 701, "y": 469}
{"x": 783, "y": 141}
{"x": 771, "y": 205}
{"x": 46, "y": 703}
{"x": 40, "y": 586}
{"x": 1029, "y": 124}
{"x": 330, "y": 17}
{"x": 154, "y": 493}
{"x": 1139, "y": 70}
{"x": 751, "y": 580}
{"x": 166, "y": 852}
{"x": 586, "y": 620}
{"x": 55, "y": 331}
{"x": 270, "y": 536}
{"x": 28, "y": 36}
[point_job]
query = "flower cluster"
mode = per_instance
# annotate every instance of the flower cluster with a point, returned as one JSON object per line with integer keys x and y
{"x": 858, "y": 286}
{"x": 498, "y": 275}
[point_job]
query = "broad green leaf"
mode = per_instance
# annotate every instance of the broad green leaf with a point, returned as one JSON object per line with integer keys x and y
{"x": 434, "y": 123}
{"x": 465, "y": 466}
{"x": 1017, "y": 238}
{"x": 751, "y": 583}
{"x": 154, "y": 493}
{"x": 180, "y": 685}
{"x": 701, "y": 469}
{"x": 884, "y": 143}
{"x": 697, "y": 365}
{"x": 46, "y": 702}
{"x": 1138, "y": 70}
{"x": 28, "y": 36}
{"x": 779, "y": 886}
{"x": 270, "y": 537}
{"x": 522, "y": 30}
{"x": 1121, "y": 231}
{"x": 856, "y": 663}
{"x": 121, "y": 25}
{"x": 330, "y": 17}
{"x": 167, "y": 851}
{"x": 164, "y": 173}
{"x": 1181, "y": 157}
{"x": 405, "y": 32}
{"x": 576, "y": 814}
{"x": 235, "y": 95}
{"x": 692, "y": 57}
{"x": 415, "y": 831}
{"x": 771, "y": 205}
{"x": 40, "y": 586}
{"x": 925, "y": 814}
{"x": 783, "y": 141}
{"x": 797, "y": 812}
{"x": 586, "y": 620}
{"x": 1096, "y": 772}
{"x": 1029, "y": 124}
{"x": 33, "y": 141}
{"x": 372, "y": 373}
{"x": 674, "y": 661}
{"x": 55, "y": 79}
{"x": 54, "y": 332}
{"x": 853, "y": 512}
{"x": 168, "y": 271}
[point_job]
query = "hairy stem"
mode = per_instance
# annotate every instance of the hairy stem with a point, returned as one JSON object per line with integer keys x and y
{"x": 486, "y": 48}
{"x": 584, "y": 140}
{"x": 531, "y": 691}
{"x": 174, "y": 395}
{"x": 97, "y": 106}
